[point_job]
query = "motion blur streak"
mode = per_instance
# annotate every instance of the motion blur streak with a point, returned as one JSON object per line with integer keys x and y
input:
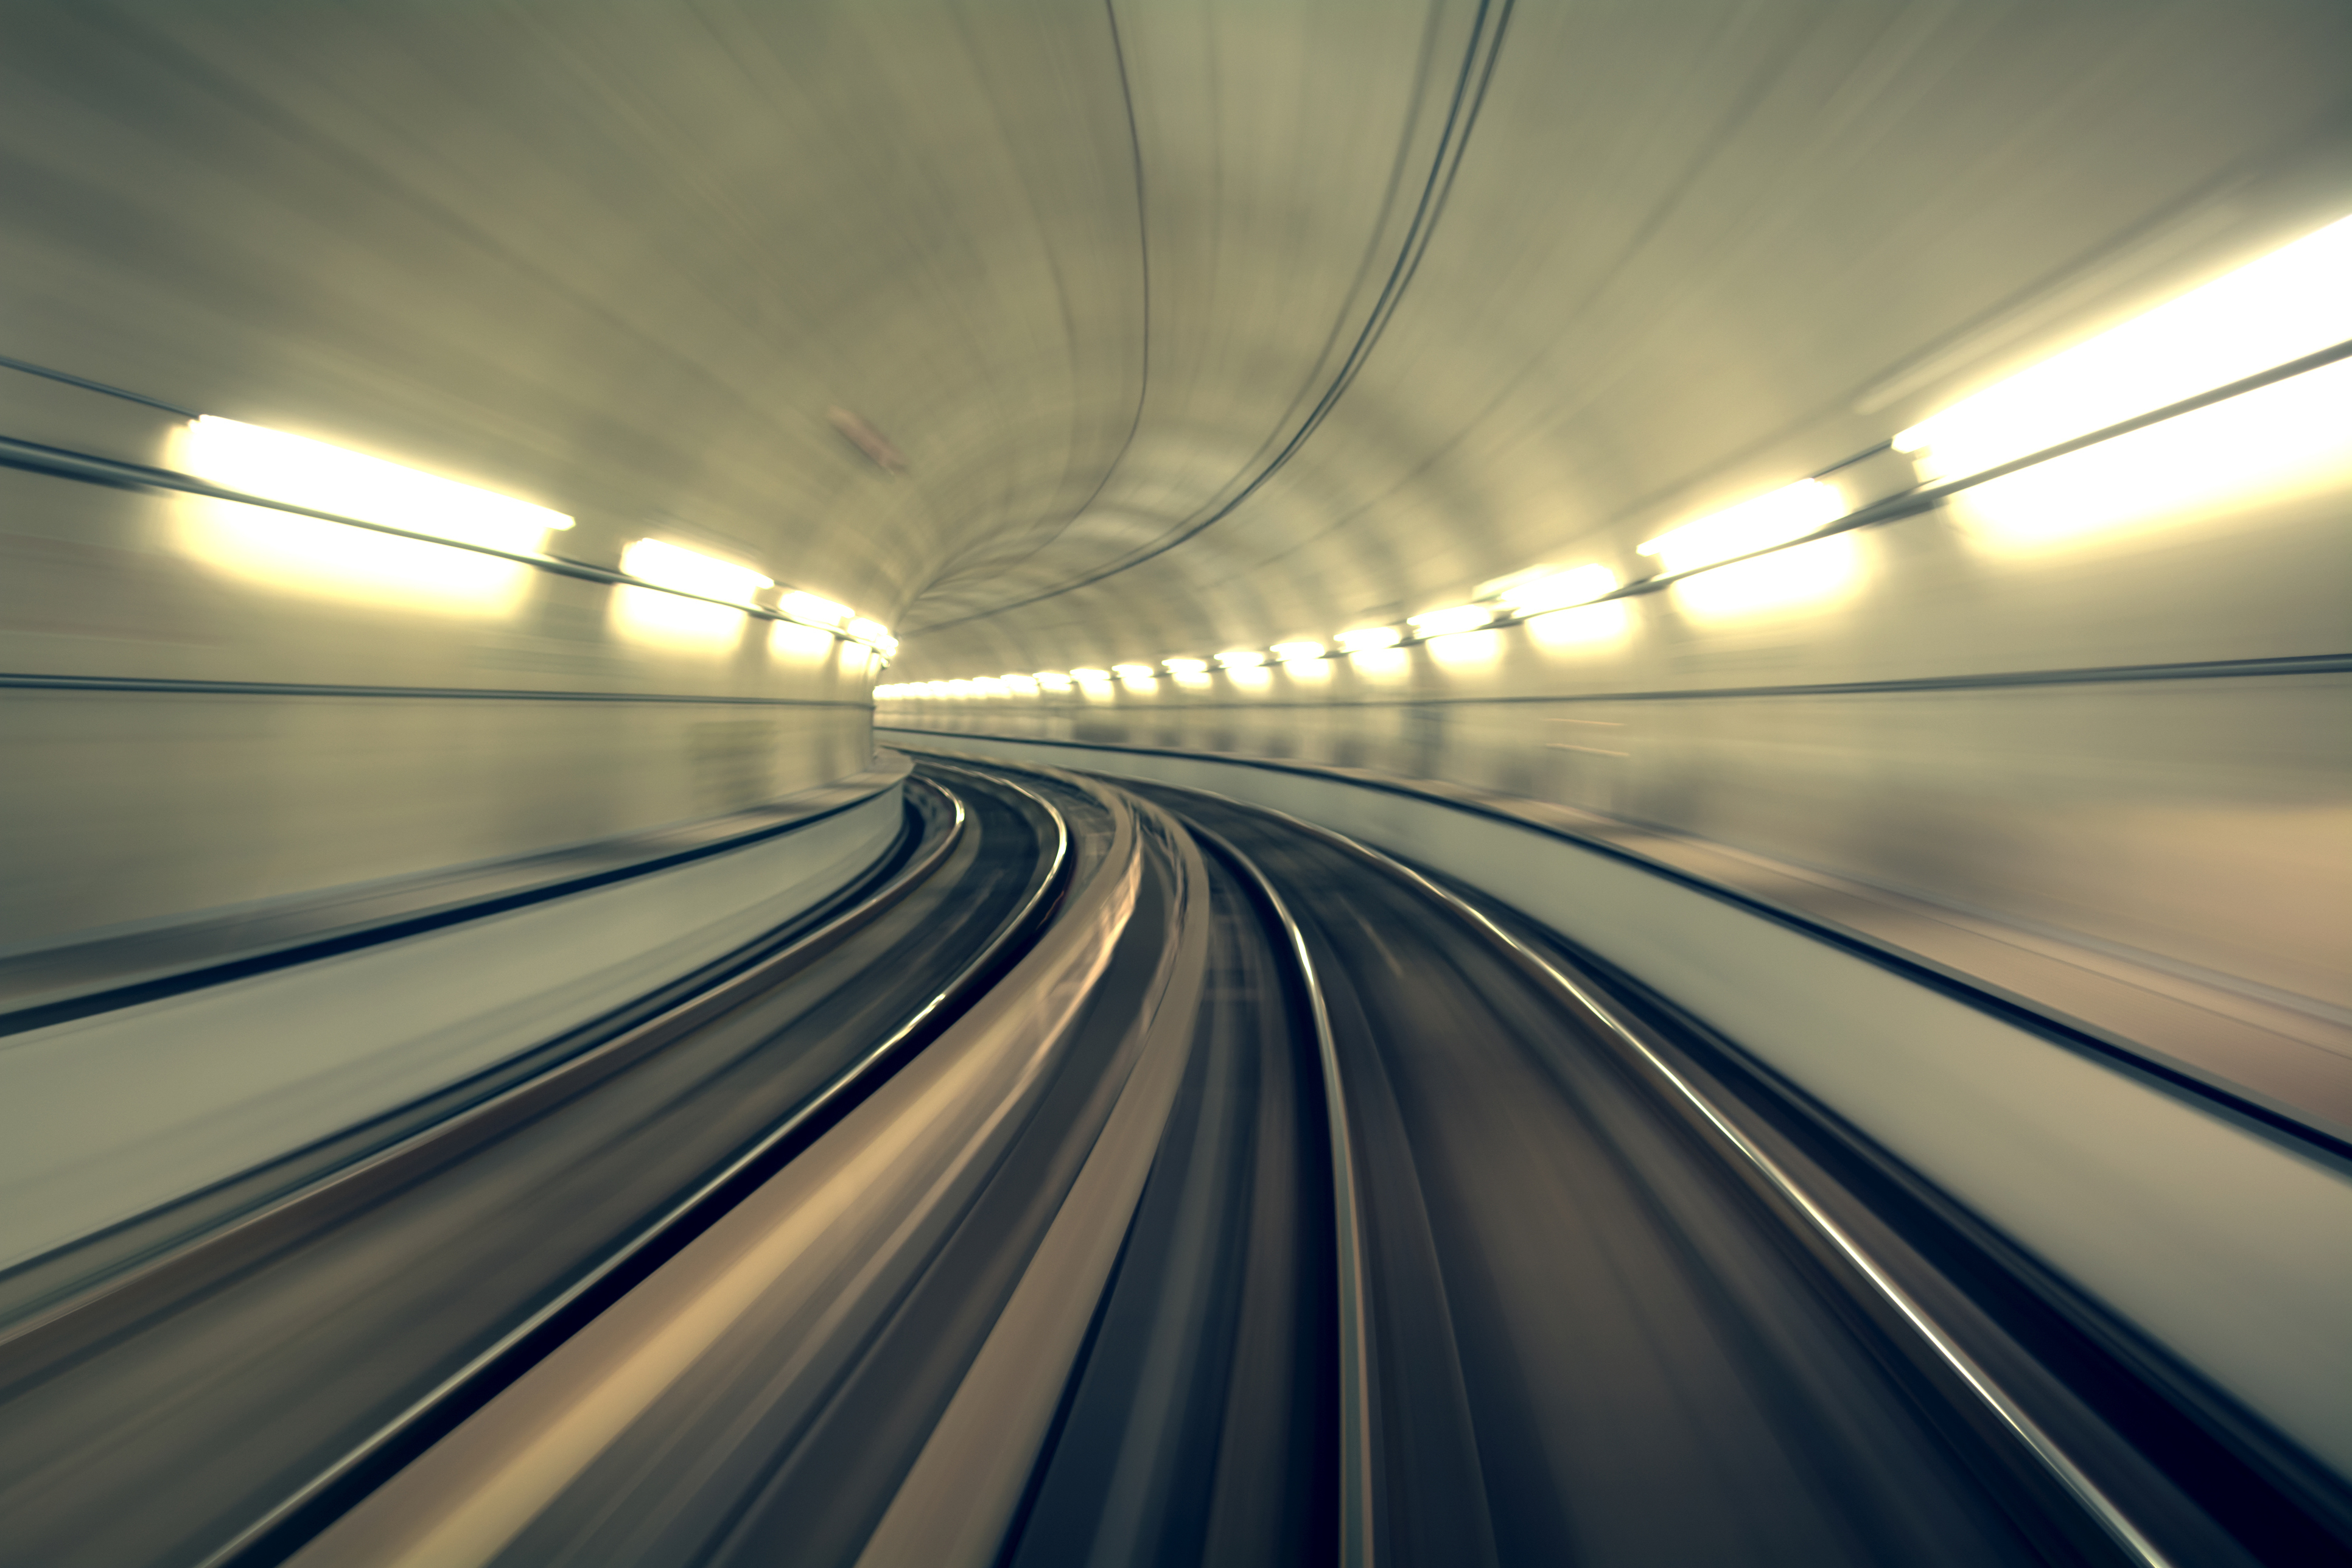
{"x": 2285, "y": 306}
{"x": 2273, "y": 447}
{"x": 1825, "y": 520}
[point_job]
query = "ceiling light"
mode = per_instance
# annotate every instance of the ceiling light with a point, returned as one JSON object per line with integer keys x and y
{"x": 1051, "y": 679}
{"x": 1776, "y": 518}
{"x": 1019, "y": 684}
{"x": 1554, "y": 590}
{"x": 325, "y": 478}
{"x": 2291, "y": 303}
{"x": 874, "y": 633}
{"x": 1363, "y": 639}
{"x": 1134, "y": 671}
{"x": 1451, "y": 619}
{"x": 1240, "y": 658}
{"x": 675, "y": 566}
{"x": 1297, "y": 652}
{"x": 810, "y": 610}
{"x": 1185, "y": 665}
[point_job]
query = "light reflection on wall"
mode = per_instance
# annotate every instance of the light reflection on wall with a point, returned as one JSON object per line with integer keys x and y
{"x": 1582, "y": 628}
{"x": 1252, "y": 679}
{"x": 802, "y": 647}
{"x": 1383, "y": 666}
{"x": 1308, "y": 671}
{"x": 2292, "y": 438}
{"x": 2292, "y": 302}
{"x": 332, "y": 561}
{"x": 328, "y": 478}
{"x": 650, "y": 615}
{"x": 1466, "y": 651}
{"x": 1808, "y": 577}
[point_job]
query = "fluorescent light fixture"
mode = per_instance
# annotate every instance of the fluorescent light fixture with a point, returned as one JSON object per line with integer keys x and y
{"x": 1088, "y": 676}
{"x": 1582, "y": 626}
{"x": 2292, "y": 302}
{"x": 1297, "y": 652}
{"x": 1051, "y": 679}
{"x": 1496, "y": 587}
{"x": 1134, "y": 671}
{"x": 1240, "y": 658}
{"x": 2228, "y": 465}
{"x": 988, "y": 686}
{"x": 1810, "y": 578}
{"x": 325, "y": 478}
{"x": 814, "y": 611}
{"x": 1185, "y": 665}
{"x": 1775, "y": 518}
{"x": 1451, "y": 619}
{"x": 670, "y": 565}
{"x": 1363, "y": 639}
{"x": 874, "y": 634}
{"x": 1019, "y": 684}
{"x": 1544, "y": 589}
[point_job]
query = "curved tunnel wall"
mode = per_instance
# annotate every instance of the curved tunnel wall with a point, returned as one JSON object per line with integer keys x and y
{"x": 2137, "y": 742}
{"x": 209, "y": 705}
{"x": 1179, "y": 327}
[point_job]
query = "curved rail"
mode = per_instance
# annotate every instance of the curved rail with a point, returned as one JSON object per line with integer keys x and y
{"x": 1735, "y": 1144}
{"x": 276, "y": 1535}
{"x": 887, "y": 1257}
{"x": 1357, "y": 1514}
{"x": 115, "y": 1297}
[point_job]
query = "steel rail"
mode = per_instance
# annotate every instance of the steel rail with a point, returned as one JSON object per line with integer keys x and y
{"x": 1358, "y": 1540}
{"x": 311, "y": 1507}
{"x": 2306, "y": 1124}
{"x": 2013, "y": 1416}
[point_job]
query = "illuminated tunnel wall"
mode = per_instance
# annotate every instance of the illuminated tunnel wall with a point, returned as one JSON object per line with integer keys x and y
{"x": 1070, "y": 335}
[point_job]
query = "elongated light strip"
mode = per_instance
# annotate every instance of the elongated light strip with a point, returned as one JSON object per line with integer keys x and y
{"x": 1451, "y": 619}
{"x": 811, "y": 610}
{"x": 667, "y": 565}
{"x": 2294, "y": 301}
{"x": 1535, "y": 592}
{"x": 275, "y": 465}
{"x": 327, "y": 477}
{"x": 1775, "y": 518}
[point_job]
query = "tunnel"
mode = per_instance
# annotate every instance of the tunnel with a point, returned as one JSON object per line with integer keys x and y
{"x": 1175, "y": 782}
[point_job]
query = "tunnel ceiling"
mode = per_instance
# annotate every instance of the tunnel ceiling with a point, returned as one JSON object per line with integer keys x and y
{"x": 1193, "y": 324}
